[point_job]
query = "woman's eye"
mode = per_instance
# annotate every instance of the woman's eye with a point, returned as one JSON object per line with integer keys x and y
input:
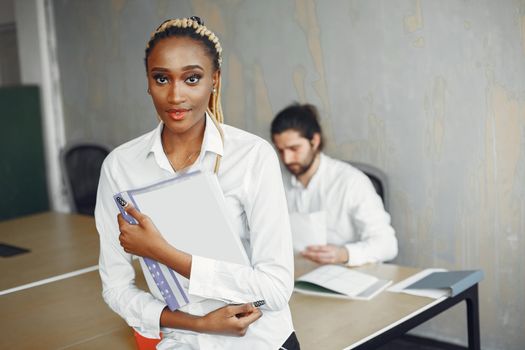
{"x": 194, "y": 79}
{"x": 161, "y": 79}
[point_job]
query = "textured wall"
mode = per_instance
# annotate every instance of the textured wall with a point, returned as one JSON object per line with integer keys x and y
{"x": 7, "y": 12}
{"x": 433, "y": 92}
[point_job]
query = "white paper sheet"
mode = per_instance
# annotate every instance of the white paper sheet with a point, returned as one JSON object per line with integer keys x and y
{"x": 308, "y": 229}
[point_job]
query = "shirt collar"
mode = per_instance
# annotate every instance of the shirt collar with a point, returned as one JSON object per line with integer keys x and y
{"x": 155, "y": 144}
{"x": 211, "y": 142}
{"x": 294, "y": 182}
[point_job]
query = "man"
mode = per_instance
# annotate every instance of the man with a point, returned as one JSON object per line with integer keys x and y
{"x": 358, "y": 227}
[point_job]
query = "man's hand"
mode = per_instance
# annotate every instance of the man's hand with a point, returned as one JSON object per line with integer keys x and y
{"x": 230, "y": 320}
{"x": 142, "y": 239}
{"x": 326, "y": 254}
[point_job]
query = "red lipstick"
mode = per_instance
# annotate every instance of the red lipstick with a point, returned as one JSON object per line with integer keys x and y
{"x": 177, "y": 113}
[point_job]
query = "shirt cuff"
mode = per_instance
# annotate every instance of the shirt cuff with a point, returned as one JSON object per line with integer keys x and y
{"x": 356, "y": 254}
{"x": 202, "y": 273}
{"x": 150, "y": 325}
{"x": 213, "y": 279}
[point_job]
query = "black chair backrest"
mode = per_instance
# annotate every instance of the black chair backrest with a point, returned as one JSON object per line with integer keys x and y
{"x": 81, "y": 164}
{"x": 378, "y": 179}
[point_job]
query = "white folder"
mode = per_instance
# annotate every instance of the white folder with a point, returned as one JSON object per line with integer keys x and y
{"x": 190, "y": 212}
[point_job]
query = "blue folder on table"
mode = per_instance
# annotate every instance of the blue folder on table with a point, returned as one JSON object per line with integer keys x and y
{"x": 455, "y": 281}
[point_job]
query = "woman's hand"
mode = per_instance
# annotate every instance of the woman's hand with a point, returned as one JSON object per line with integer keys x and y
{"x": 142, "y": 239}
{"x": 230, "y": 320}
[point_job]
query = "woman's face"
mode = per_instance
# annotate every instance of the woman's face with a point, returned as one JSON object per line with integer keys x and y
{"x": 181, "y": 77}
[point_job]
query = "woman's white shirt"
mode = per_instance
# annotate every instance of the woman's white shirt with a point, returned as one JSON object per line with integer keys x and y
{"x": 251, "y": 181}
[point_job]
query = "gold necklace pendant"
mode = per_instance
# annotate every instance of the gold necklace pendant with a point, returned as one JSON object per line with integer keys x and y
{"x": 186, "y": 163}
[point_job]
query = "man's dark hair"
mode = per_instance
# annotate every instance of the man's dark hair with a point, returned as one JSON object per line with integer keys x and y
{"x": 302, "y": 118}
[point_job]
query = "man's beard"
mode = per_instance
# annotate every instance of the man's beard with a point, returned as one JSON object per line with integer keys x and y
{"x": 301, "y": 168}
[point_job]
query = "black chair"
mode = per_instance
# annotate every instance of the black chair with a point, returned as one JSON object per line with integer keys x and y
{"x": 81, "y": 164}
{"x": 378, "y": 179}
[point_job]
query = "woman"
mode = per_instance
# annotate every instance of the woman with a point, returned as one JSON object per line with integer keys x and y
{"x": 183, "y": 60}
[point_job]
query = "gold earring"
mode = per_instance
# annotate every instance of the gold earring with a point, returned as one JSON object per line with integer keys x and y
{"x": 149, "y": 91}
{"x": 214, "y": 91}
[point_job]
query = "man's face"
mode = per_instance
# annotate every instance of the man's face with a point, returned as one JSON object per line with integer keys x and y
{"x": 297, "y": 153}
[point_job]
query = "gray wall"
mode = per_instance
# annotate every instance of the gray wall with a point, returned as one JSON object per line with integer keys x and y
{"x": 7, "y": 12}
{"x": 9, "y": 68}
{"x": 433, "y": 92}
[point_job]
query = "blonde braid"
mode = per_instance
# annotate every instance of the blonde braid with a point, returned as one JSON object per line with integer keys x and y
{"x": 215, "y": 111}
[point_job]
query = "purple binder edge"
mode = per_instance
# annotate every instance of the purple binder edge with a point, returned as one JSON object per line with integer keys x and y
{"x": 152, "y": 265}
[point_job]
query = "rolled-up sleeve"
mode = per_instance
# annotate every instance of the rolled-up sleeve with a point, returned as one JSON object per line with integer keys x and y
{"x": 138, "y": 308}
{"x": 271, "y": 275}
{"x": 377, "y": 237}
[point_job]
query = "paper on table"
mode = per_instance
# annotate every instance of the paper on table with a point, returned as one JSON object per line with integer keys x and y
{"x": 430, "y": 293}
{"x": 338, "y": 281}
{"x": 308, "y": 229}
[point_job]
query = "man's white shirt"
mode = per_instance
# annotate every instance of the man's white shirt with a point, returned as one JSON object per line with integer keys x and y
{"x": 355, "y": 215}
{"x": 250, "y": 178}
